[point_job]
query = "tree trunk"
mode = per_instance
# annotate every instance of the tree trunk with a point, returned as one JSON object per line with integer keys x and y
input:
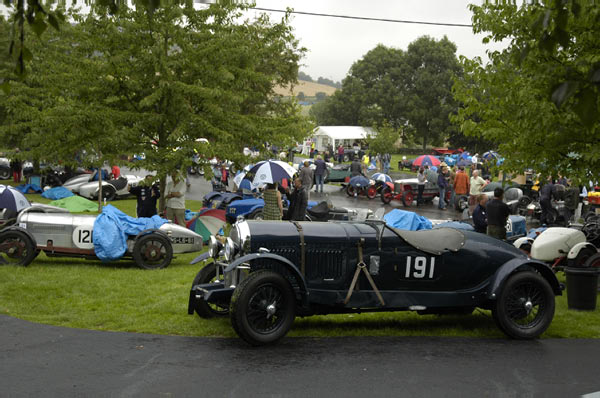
{"x": 100, "y": 189}
{"x": 424, "y": 142}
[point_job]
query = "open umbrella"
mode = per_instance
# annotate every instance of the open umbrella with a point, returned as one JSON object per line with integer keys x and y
{"x": 381, "y": 177}
{"x": 12, "y": 199}
{"x": 489, "y": 155}
{"x": 207, "y": 222}
{"x": 270, "y": 171}
{"x": 464, "y": 162}
{"x": 241, "y": 175}
{"x": 359, "y": 181}
{"x": 426, "y": 160}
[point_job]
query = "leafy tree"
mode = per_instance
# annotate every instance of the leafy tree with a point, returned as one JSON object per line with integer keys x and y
{"x": 410, "y": 90}
{"x": 304, "y": 76}
{"x": 328, "y": 82}
{"x": 384, "y": 140}
{"x": 320, "y": 96}
{"x": 301, "y": 96}
{"x": 163, "y": 81}
{"x": 537, "y": 100}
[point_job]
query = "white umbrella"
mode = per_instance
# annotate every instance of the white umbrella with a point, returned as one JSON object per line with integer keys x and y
{"x": 270, "y": 171}
{"x": 12, "y": 199}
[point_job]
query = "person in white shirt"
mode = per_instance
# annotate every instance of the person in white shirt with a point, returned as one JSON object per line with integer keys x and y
{"x": 477, "y": 184}
{"x": 175, "y": 195}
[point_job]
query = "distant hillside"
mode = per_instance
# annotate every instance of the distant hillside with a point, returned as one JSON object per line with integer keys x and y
{"x": 310, "y": 89}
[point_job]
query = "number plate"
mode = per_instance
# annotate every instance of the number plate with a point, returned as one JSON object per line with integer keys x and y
{"x": 83, "y": 237}
{"x": 419, "y": 267}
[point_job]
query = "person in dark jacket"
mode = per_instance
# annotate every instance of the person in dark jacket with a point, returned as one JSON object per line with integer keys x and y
{"x": 320, "y": 170}
{"x": 480, "y": 221}
{"x": 546, "y": 194}
{"x": 497, "y": 215}
{"x": 442, "y": 186}
{"x": 147, "y": 194}
{"x": 356, "y": 167}
{"x": 298, "y": 202}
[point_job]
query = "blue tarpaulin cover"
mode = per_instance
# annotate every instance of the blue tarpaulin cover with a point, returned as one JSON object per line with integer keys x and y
{"x": 112, "y": 227}
{"x": 57, "y": 193}
{"x": 402, "y": 219}
{"x": 518, "y": 226}
{"x": 25, "y": 188}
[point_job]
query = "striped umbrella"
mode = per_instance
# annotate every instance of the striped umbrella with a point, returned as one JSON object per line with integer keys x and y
{"x": 12, "y": 199}
{"x": 381, "y": 177}
{"x": 207, "y": 222}
{"x": 426, "y": 160}
{"x": 241, "y": 175}
{"x": 489, "y": 155}
{"x": 270, "y": 171}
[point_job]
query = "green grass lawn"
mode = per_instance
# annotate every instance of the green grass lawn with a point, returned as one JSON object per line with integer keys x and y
{"x": 118, "y": 296}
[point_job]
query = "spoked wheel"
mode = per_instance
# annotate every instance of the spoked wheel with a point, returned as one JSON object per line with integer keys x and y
{"x": 593, "y": 261}
{"x": 208, "y": 274}
{"x": 371, "y": 192}
{"x": 525, "y": 307}
{"x": 262, "y": 307}
{"x": 582, "y": 257}
{"x": 408, "y": 198}
{"x": 386, "y": 195}
{"x": 152, "y": 251}
{"x": 350, "y": 190}
{"x": 16, "y": 248}
{"x": 591, "y": 231}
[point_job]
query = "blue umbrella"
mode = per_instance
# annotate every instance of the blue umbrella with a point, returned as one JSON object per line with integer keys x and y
{"x": 246, "y": 184}
{"x": 12, "y": 199}
{"x": 489, "y": 155}
{"x": 465, "y": 155}
{"x": 382, "y": 177}
{"x": 464, "y": 162}
{"x": 359, "y": 181}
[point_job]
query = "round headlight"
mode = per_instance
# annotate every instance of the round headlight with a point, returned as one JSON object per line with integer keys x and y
{"x": 229, "y": 249}
{"x": 213, "y": 246}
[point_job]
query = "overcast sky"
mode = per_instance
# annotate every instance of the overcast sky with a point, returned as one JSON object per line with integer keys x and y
{"x": 335, "y": 44}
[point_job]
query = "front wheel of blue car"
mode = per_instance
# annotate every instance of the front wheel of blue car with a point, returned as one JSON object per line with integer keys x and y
{"x": 263, "y": 308}
{"x": 525, "y": 307}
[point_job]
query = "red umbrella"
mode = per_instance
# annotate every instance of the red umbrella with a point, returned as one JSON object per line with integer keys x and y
{"x": 426, "y": 160}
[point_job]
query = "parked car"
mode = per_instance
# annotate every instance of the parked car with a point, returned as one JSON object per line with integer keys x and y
{"x": 558, "y": 247}
{"x": 220, "y": 200}
{"x": 62, "y": 234}
{"x": 267, "y": 273}
{"x": 111, "y": 189}
{"x": 338, "y": 173}
{"x": 405, "y": 190}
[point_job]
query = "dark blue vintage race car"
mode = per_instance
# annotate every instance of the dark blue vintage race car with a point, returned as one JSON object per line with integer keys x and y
{"x": 269, "y": 272}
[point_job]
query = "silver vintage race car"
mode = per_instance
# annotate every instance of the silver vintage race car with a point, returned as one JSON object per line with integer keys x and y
{"x": 111, "y": 189}
{"x": 70, "y": 235}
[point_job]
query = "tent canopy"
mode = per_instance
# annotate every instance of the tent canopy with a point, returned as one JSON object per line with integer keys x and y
{"x": 325, "y": 135}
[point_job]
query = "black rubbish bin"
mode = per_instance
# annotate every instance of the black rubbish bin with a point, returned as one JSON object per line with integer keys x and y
{"x": 582, "y": 287}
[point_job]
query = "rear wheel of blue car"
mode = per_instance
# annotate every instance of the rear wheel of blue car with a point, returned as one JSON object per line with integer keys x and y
{"x": 263, "y": 307}
{"x": 525, "y": 307}
{"x": 206, "y": 275}
{"x": 152, "y": 251}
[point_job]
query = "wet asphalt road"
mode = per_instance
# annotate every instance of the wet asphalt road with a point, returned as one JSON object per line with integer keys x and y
{"x": 48, "y": 361}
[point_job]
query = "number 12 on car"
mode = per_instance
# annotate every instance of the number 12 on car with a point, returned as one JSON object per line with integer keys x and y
{"x": 419, "y": 268}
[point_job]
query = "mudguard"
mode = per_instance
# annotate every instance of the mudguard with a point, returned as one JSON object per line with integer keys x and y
{"x": 524, "y": 239}
{"x": 284, "y": 261}
{"x": 17, "y": 228}
{"x": 578, "y": 247}
{"x": 511, "y": 266}
{"x": 390, "y": 185}
{"x": 202, "y": 257}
